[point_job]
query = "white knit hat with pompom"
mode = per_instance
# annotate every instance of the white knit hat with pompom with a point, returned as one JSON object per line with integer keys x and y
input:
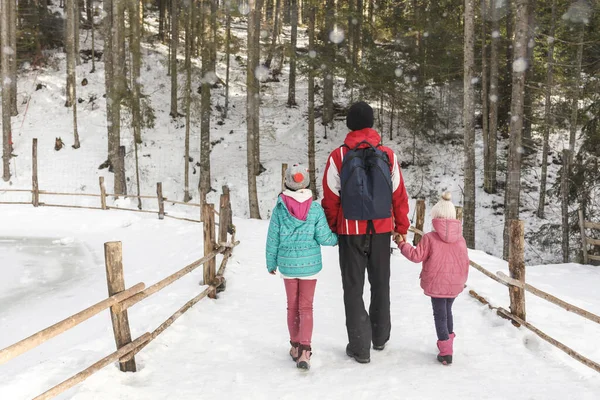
{"x": 444, "y": 208}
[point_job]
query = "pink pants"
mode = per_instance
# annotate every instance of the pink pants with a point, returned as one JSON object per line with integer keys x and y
{"x": 300, "y": 294}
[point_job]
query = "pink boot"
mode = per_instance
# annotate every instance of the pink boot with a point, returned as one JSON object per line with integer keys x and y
{"x": 445, "y": 347}
{"x": 294, "y": 350}
{"x": 304, "y": 353}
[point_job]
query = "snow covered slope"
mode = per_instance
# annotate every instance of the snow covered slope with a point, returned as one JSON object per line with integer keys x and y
{"x": 236, "y": 346}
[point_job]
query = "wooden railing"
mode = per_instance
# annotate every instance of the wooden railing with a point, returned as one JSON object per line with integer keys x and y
{"x": 517, "y": 287}
{"x": 585, "y": 240}
{"x": 120, "y": 298}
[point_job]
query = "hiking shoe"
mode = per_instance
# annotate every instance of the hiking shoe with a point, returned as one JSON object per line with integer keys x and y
{"x": 304, "y": 353}
{"x": 294, "y": 350}
{"x": 357, "y": 357}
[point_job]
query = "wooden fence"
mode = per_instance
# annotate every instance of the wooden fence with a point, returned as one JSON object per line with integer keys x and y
{"x": 120, "y": 298}
{"x": 585, "y": 240}
{"x": 517, "y": 287}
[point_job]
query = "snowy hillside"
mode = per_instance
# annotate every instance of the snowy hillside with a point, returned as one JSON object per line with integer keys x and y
{"x": 42, "y": 115}
{"x": 236, "y": 346}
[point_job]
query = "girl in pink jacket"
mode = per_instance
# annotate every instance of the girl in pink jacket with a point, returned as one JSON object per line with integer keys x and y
{"x": 445, "y": 270}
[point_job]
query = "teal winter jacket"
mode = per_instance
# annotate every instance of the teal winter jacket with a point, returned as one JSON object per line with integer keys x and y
{"x": 293, "y": 245}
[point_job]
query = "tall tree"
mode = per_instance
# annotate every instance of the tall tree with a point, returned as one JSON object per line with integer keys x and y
{"x": 188, "y": 95}
{"x": 136, "y": 19}
{"x": 294, "y": 39}
{"x": 329, "y": 56}
{"x": 12, "y": 7}
{"x": 547, "y": 112}
{"x": 77, "y": 13}
{"x": 214, "y": 9}
{"x": 6, "y": 88}
{"x": 207, "y": 81}
{"x": 253, "y": 104}
{"x": 311, "y": 99}
{"x": 485, "y": 90}
{"x": 274, "y": 34}
{"x": 162, "y": 16}
{"x": 70, "y": 34}
{"x": 469, "y": 123}
{"x": 490, "y": 176}
{"x": 227, "y": 55}
{"x": 174, "y": 43}
{"x": 519, "y": 67}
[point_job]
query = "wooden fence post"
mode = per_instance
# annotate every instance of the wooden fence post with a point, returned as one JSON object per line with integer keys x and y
{"x": 34, "y": 176}
{"x": 223, "y": 217}
{"x": 459, "y": 213}
{"x": 113, "y": 257}
{"x": 420, "y": 220}
{"x": 208, "y": 218}
{"x": 161, "y": 201}
{"x": 516, "y": 266}
{"x": 102, "y": 193}
{"x": 284, "y": 167}
{"x": 583, "y": 237}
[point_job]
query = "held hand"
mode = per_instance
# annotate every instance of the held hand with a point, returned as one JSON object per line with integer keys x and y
{"x": 273, "y": 272}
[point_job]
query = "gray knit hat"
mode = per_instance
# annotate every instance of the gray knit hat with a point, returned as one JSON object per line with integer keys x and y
{"x": 296, "y": 177}
{"x": 444, "y": 208}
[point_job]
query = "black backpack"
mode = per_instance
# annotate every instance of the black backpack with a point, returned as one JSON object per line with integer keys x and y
{"x": 366, "y": 183}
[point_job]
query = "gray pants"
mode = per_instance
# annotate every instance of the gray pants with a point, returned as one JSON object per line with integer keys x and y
{"x": 442, "y": 314}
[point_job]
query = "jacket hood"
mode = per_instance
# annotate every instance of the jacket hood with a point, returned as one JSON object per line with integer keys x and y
{"x": 297, "y": 202}
{"x": 369, "y": 135}
{"x": 449, "y": 230}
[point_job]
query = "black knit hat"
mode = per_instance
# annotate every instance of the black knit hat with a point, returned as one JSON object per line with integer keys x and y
{"x": 360, "y": 116}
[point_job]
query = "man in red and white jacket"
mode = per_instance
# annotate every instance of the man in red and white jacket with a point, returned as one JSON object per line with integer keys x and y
{"x": 360, "y": 247}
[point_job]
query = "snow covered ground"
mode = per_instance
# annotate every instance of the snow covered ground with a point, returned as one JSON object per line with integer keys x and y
{"x": 236, "y": 346}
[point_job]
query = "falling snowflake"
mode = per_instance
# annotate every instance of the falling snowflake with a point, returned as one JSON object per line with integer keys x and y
{"x": 354, "y": 21}
{"x": 336, "y": 36}
{"x": 398, "y": 72}
{"x": 474, "y": 81}
{"x": 264, "y": 34}
{"x": 312, "y": 54}
{"x": 7, "y": 81}
{"x": 493, "y": 98}
{"x": 519, "y": 65}
{"x": 531, "y": 43}
{"x": 261, "y": 73}
{"x": 8, "y": 50}
{"x": 514, "y": 118}
{"x": 425, "y": 34}
{"x": 414, "y": 79}
{"x": 244, "y": 9}
{"x": 550, "y": 39}
{"x": 496, "y": 34}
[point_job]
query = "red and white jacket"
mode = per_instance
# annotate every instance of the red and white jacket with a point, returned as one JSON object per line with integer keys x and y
{"x": 332, "y": 186}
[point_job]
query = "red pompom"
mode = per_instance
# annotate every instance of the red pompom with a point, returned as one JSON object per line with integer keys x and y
{"x": 298, "y": 177}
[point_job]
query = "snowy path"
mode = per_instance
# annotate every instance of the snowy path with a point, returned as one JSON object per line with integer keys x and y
{"x": 236, "y": 347}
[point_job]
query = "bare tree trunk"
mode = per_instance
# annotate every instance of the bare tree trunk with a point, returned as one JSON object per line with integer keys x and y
{"x": 93, "y": 47}
{"x": 136, "y": 67}
{"x": 71, "y": 73}
{"x": 292, "y": 81}
{"x": 12, "y": 5}
{"x": 257, "y": 164}
{"x": 5, "y": 53}
{"x": 253, "y": 104}
{"x": 327, "y": 117}
{"x": 393, "y": 101}
{"x": 227, "y": 56}
{"x": 162, "y": 15}
{"x": 485, "y": 92}
{"x": 207, "y": 72}
{"x": 358, "y": 33}
{"x": 528, "y": 102}
{"x": 174, "y": 42}
{"x": 513, "y": 171}
{"x": 274, "y": 34}
{"x": 108, "y": 78}
{"x": 547, "y": 113}
{"x": 77, "y": 16}
{"x": 311, "y": 102}
{"x": 469, "y": 123}
{"x": 490, "y": 177}
{"x": 214, "y": 8}
{"x": 576, "y": 91}
{"x": 89, "y": 12}
{"x": 564, "y": 194}
{"x": 189, "y": 37}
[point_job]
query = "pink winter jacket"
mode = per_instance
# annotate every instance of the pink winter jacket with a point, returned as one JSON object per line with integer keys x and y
{"x": 445, "y": 259}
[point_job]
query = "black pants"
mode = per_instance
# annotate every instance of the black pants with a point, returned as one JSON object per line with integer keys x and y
{"x": 442, "y": 315}
{"x": 357, "y": 253}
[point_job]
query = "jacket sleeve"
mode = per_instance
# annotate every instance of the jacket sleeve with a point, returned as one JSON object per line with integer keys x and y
{"x": 399, "y": 200}
{"x": 323, "y": 234}
{"x": 416, "y": 254}
{"x": 331, "y": 193}
{"x": 273, "y": 241}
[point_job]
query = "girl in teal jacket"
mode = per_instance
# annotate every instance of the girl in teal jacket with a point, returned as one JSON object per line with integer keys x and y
{"x": 297, "y": 231}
